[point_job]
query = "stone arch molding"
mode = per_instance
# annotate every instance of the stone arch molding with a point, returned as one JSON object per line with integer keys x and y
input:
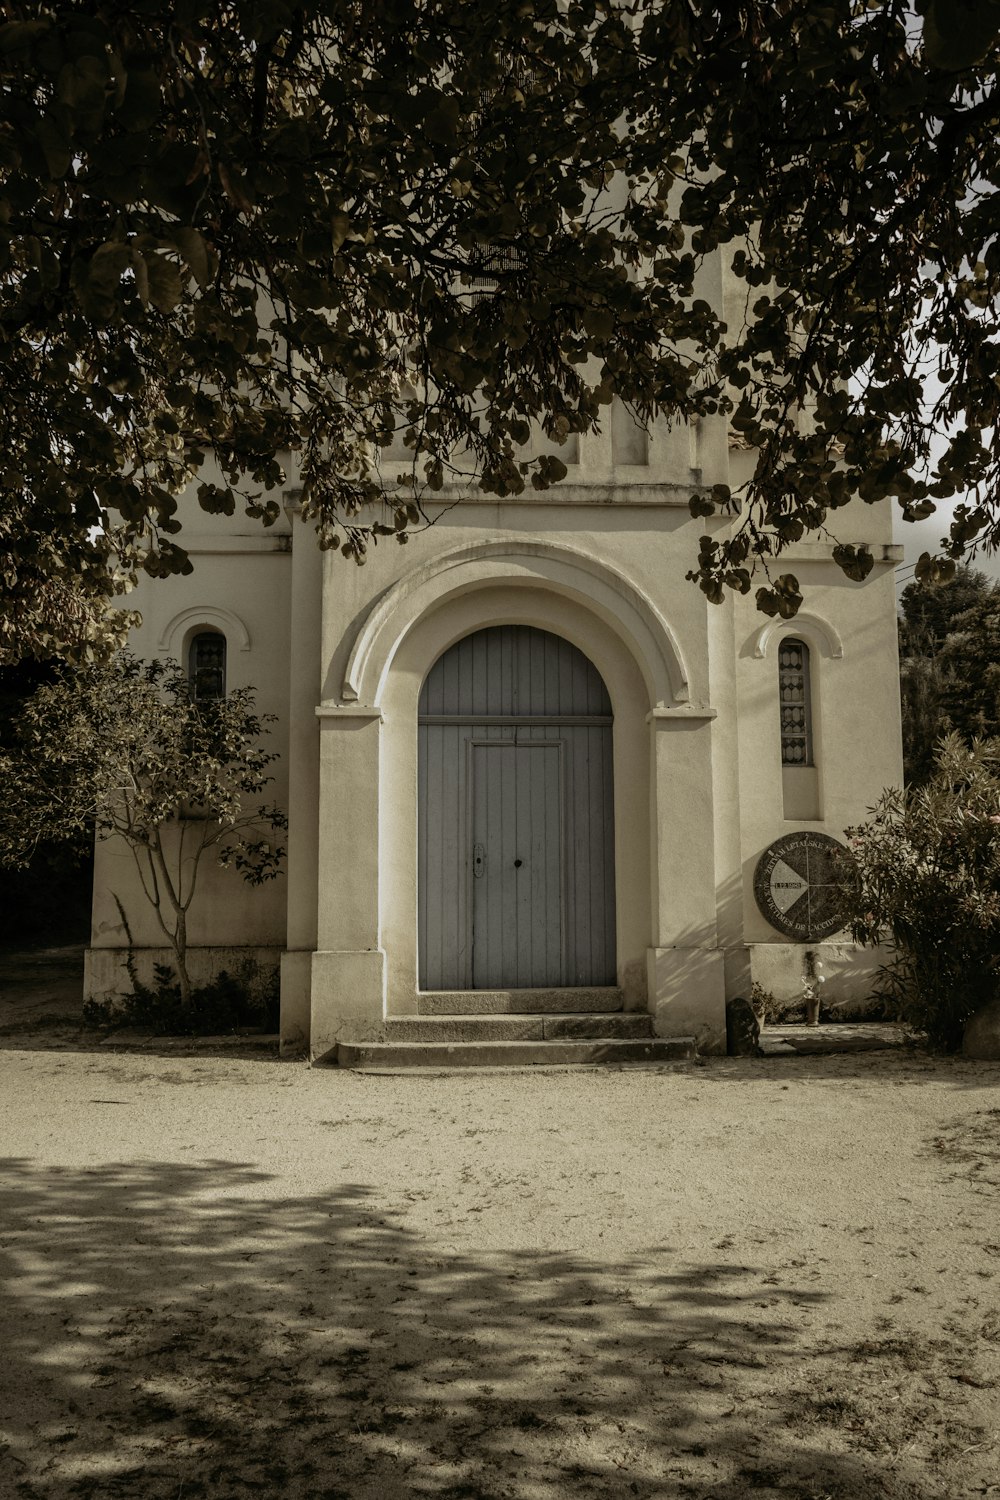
{"x": 548, "y": 565}
{"x": 818, "y": 633}
{"x": 231, "y": 626}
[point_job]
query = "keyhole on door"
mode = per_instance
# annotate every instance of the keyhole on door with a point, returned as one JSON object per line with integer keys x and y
{"x": 517, "y": 864}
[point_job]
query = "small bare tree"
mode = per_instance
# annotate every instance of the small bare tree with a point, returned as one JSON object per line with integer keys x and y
{"x": 123, "y": 748}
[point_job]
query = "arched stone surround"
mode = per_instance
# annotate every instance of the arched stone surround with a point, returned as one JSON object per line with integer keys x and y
{"x": 365, "y": 966}
{"x": 458, "y": 616}
{"x": 175, "y": 637}
{"x": 552, "y": 566}
{"x": 820, "y": 634}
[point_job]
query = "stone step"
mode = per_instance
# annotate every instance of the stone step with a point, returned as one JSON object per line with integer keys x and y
{"x": 379, "y": 1055}
{"x": 518, "y": 1028}
{"x": 518, "y": 1002}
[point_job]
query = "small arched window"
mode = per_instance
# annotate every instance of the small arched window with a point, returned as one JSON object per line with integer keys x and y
{"x": 794, "y": 697}
{"x": 207, "y": 666}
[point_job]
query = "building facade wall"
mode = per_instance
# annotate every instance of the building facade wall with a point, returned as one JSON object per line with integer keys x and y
{"x": 240, "y": 587}
{"x": 340, "y": 654}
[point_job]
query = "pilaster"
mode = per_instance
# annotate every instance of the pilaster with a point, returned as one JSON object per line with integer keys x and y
{"x": 348, "y": 966}
{"x": 685, "y": 967}
{"x": 304, "y": 674}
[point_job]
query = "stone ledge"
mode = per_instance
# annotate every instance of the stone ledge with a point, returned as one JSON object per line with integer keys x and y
{"x": 368, "y": 1055}
{"x": 837, "y": 1036}
{"x": 141, "y": 1041}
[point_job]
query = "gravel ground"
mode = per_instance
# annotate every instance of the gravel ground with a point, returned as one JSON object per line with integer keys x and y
{"x": 762, "y": 1277}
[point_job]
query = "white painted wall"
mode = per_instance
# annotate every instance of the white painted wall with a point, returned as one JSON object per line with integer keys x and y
{"x": 241, "y": 586}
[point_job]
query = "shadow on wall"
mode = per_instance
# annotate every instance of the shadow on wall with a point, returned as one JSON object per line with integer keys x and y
{"x": 850, "y": 974}
{"x": 170, "y": 1333}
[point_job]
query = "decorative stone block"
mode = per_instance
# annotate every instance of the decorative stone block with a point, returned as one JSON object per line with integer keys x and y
{"x": 742, "y": 1029}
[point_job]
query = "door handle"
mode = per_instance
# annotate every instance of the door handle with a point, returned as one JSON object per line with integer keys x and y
{"x": 478, "y": 862}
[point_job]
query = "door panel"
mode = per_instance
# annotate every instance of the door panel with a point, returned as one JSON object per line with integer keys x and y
{"x": 517, "y": 891}
{"x": 444, "y": 956}
{"x": 515, "y": 762}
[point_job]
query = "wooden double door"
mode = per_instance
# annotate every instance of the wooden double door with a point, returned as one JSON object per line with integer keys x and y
{"x": 516, "y": 816}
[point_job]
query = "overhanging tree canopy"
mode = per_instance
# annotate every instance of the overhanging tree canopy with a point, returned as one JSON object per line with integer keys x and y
{"x": 246, "y": 229}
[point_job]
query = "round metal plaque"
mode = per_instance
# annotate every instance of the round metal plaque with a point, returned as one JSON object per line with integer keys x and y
{"x": 797, "y": 885}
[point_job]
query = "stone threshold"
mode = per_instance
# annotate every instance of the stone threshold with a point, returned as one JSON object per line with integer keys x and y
{"x": 603, "y": 999}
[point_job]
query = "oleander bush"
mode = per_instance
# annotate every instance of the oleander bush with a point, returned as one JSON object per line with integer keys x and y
{"x": 926, "y": 880}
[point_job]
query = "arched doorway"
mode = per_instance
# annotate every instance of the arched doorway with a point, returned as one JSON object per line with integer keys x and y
{"x": 516, "y": 877}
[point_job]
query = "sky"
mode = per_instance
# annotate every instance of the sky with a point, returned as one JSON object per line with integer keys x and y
{"x": 925, "y": 536}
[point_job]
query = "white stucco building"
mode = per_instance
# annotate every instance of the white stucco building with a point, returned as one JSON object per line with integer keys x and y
{"x": 673, "y": 704}
{"x": 523, "y": 753}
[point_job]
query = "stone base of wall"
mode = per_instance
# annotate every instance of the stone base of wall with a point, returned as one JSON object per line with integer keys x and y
{"x": 347, "y": 999}
{"x": 105, "y": 970}
{"x": 296, "y": 1000}
{"x": 687, "y": 995}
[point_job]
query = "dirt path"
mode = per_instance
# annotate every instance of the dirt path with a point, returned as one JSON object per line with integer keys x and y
{"x": 762, "y": 1277}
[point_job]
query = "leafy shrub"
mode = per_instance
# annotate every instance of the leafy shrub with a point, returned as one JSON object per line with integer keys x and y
{"x": 768, "y": 1009}
{"x": 771, "y": 1011}
{"x": 926, "y": 876}
{"x": 227, "y": 1004}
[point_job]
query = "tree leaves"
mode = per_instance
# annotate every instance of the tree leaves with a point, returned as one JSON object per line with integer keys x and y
{"x": 855, "y": 562}
{"x": 163, "y": 281}
{"x": 949, "y": 648}
{"x": 959, "y": 33}
{"x": 123, "y": 749}
{"x": 195, "y": 251}
{"x": 479, "y": 223}
{"x": 934, "y": 569}
{"x": 926, "y": 872}
{"x": 782, "y": 598}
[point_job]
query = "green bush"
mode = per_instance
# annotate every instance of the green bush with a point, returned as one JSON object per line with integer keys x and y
{"x": 926, "y": 878}
{"x": 771, "y": 1011}
{"x": 228, "y": 1004}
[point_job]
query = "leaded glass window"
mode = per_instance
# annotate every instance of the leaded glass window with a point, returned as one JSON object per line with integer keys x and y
{"x": 207, "y": 667}
{"x": 793, "y": 694}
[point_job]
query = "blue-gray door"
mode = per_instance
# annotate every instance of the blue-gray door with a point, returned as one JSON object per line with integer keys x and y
{"x": 516, "y": 816}
{"x": 517, "y": 864}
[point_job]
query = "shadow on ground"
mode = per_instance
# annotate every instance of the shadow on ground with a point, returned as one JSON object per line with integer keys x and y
{"x": 170, "y": 1332}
